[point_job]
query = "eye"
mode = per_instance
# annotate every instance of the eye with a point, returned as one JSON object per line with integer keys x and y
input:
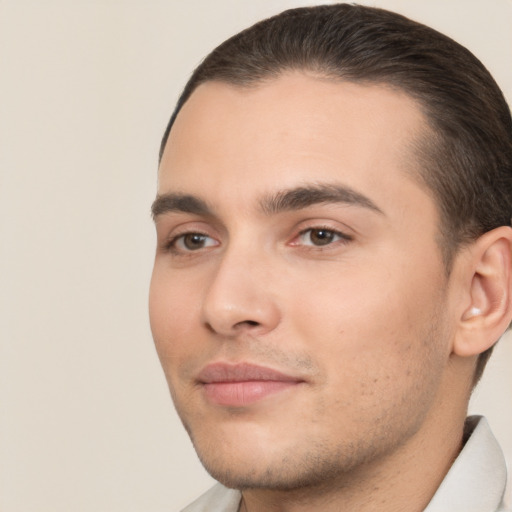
{"x": 320, "y": 237}
{"x": 192, "y": 242}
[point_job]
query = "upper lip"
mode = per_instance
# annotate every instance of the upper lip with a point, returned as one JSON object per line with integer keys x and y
{"x": 241, "y": 372}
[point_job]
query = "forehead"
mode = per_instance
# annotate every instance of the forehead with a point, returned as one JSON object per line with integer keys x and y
{"x": 290, "y": 130}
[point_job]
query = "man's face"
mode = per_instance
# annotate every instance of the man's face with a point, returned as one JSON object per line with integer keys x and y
{"x": 299, "y": 299}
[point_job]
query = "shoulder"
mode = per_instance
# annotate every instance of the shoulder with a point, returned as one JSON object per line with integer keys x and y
{"x": 217, "y": 499}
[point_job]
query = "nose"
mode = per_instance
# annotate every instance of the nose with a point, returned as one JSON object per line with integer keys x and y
{"x": 239, "y": 299}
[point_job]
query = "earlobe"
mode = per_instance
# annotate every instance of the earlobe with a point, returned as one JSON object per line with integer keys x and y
{"x": 488, "y": 307}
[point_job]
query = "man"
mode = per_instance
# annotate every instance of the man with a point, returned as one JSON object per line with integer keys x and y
{"x": 334, "y": 265}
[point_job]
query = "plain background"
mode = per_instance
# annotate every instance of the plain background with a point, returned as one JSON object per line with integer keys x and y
{"x": 86, "y": 89}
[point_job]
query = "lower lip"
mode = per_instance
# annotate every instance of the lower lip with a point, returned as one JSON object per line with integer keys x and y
{"x": 240, "y": 394}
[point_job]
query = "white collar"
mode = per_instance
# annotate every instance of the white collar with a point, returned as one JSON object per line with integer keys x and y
{"x": 477, "y": 479}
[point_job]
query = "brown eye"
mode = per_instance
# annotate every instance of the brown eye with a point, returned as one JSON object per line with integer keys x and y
{"x": 321, "y": 236}
{"x": 193, "y": 242}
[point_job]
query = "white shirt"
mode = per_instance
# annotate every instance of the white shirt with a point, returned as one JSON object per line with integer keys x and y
{"x": 476, "y": 481}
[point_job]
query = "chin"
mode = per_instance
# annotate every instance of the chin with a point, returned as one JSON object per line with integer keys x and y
{"x": 280, "y": 476}
{"x": 287, "y": 467}
{"x": 241, "y": 462}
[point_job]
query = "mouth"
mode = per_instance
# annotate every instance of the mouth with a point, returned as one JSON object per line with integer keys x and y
{"x": 239, "y": 385}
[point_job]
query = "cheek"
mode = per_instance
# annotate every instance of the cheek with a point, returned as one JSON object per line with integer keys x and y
{"x": 379, "y": 366}
{"x": 346, "y": 313}
{"x": 171, "y": 310}
{"x": 172, "y": 313}
{"x": 372, "y": 331}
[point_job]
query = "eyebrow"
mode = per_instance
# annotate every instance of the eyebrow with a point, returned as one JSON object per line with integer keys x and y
{"x": 183, "y": 203}
{"x": 296, "y": 198}
{"x": 303, "y": 197}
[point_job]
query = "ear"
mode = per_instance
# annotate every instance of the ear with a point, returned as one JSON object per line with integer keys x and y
{"x": 487, "y": 305}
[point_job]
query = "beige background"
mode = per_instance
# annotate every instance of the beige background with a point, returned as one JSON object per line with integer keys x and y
{"x": 86, "y": 88}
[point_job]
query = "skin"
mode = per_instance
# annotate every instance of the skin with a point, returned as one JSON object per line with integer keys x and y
{"x": 366, "y": 322}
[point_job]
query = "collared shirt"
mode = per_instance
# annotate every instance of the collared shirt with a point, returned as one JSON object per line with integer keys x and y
{"x": 476, "y": 481}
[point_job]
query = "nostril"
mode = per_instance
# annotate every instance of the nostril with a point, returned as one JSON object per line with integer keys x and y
{"x": 209, "y": 327}
{"x": 250, "y": 323}
{"x": 236, "y": 327}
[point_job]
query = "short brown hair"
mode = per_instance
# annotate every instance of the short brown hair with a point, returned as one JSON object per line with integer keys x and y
{"x": 466, "y": 157}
